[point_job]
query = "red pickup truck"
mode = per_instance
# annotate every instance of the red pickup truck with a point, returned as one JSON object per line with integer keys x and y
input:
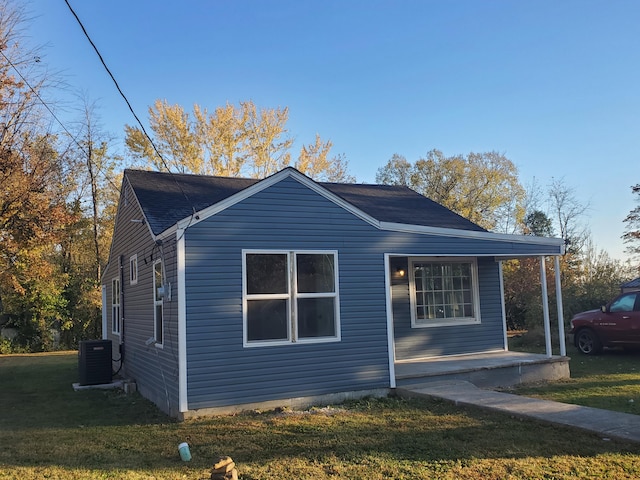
{"x": 616, "y": 324}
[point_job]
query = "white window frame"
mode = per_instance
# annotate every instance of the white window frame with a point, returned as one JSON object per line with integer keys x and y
{"x": 292, "y": 297}
{"x": 115, "y": 306}
{"x": 158, "y": 303}
{"x": 133, "y": 269}
{"x": 442, "y": 322}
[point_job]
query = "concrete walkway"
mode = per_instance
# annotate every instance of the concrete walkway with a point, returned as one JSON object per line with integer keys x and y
{"x": 605, "y": 423}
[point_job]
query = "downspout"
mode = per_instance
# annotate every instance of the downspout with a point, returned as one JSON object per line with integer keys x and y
{"x": 122, "y": 322}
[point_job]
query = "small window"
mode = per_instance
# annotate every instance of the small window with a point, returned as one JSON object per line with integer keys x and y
{"x": 133, "y": 270}
{"x": 443, "y": 292}
{"x": 290, "y": 297}
{"x": 158, "y": 304}
{"x": 115, "y": 306}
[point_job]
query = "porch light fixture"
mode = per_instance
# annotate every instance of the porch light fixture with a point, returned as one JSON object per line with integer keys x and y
{"x": 400, "y": 271}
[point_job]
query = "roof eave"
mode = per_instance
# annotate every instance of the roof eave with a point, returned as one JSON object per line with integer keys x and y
{"x": 556, "y": 245}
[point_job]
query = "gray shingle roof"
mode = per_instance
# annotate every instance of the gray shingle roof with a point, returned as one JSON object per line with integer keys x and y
{"x": 167, "y": 198}
{"x": 635, "y": 283}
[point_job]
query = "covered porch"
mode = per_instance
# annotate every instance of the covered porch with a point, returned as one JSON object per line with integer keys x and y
{"x": 497, "y": 367}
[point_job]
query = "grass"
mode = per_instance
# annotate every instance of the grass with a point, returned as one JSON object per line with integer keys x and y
{"x": 610, "y": 380}
{"x": 49, "y": 431}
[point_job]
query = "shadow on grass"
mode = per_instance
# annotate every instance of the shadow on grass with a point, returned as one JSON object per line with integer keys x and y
{"x": 44, "y": 422}
{"x": 37, "y": 393}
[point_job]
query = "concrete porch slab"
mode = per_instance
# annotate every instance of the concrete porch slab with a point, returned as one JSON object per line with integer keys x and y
{"x": 487, "y": 370}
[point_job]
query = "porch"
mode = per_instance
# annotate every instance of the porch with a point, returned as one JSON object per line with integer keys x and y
{"x": 485, "y": 370}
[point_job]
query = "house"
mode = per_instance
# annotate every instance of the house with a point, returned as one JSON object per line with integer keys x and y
{"x": 229, "y": 293}
{"x": 630, "y": 286}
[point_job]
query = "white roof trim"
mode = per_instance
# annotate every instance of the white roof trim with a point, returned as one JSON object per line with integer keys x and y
{"x": 453, "y": 232}
{"x": 266, "y": 183}
{"x": 557, "y": 244}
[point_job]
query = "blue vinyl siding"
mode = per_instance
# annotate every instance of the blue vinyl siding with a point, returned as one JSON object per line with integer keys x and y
{"x": 412, "y": 343}
{"x": 289, "y": 216}
{"x": 145, "y": 364}
{"x": 286, "y": 216}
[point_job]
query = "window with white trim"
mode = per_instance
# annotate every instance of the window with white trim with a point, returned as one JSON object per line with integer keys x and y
{"x": 443, "y": 291}
{"x": 158, "y": 304}
{"x": 115, "y": 306}
{"x": 290, "y": 297}
{"x": 133, "y": 269}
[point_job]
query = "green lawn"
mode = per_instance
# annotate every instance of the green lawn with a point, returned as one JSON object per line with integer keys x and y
{"x": 49, "y": 431}
{"x": 610, "y": 380}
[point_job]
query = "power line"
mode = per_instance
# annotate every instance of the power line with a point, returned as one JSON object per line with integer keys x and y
{"x": 86, "y": 34}
{"x": 38, "y": 96}
{"x": 35, "y": 92}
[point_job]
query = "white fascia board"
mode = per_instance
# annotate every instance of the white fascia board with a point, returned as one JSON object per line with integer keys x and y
{"x": 169, "y": 232}
{"x": 557, "y": 244}
{"x": 498, "y": 256}
{"x": 258, "y": 187}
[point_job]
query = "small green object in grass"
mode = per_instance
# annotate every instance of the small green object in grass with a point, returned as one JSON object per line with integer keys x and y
{"x": 185, "y": 454}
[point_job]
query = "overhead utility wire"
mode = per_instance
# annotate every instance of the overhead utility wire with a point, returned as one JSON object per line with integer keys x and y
{"x": 86, "y": 34}
{"x": 35, "y": 92}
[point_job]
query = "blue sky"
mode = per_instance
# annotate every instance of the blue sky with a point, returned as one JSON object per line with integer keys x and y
{"x": 552, "y": 84}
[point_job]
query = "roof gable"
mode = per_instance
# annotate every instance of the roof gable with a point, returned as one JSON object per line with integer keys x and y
{"x": 167, "y": 198}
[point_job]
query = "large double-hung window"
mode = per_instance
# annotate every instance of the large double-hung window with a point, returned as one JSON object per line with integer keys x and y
{"x": 290, "y": 296}
{"x": 443, "y": 292}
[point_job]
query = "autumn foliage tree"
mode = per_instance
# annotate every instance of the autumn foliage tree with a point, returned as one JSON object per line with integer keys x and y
{"x": 33, "y": 217}
{"x": 232, "y": 141}
{"x": 54, "y": 207}
{"x": 483, "y": 187}
{"x": 33, "y": 212}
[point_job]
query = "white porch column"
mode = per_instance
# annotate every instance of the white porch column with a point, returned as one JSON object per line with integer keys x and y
{"x": 545, "y": 307}
{"x": 563, "y": 346}
{"x": 504, "y": 313}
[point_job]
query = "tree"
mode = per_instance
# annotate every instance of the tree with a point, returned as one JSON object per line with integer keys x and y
{"x": 233, "y": 141}
{"x": 397, "y": 171}
{"x": 539, "y": 224}
{"x": 33, "y": 217}
{"x": 568, "y": 211}
{"x": 224, "y": 136}
{"x": 632, "y": 232}
{"x": 84, "y": 248}
{"x": 268, "y": 142}
{"x": 314, "y": 162}
{"x": 175, "y": 140}
{"x": 482, "y": 187}
{"x": 33, "y": 213}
